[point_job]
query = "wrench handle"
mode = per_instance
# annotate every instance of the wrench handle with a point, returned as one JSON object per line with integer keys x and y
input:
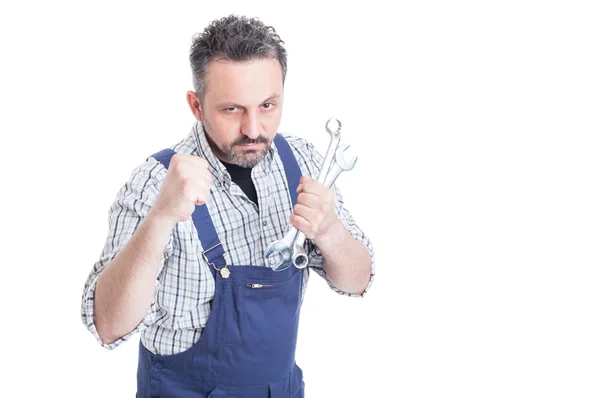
{"x": 333, "y": 175}
{"x": 333, "y": 145}
{"x": 291, "y": 235}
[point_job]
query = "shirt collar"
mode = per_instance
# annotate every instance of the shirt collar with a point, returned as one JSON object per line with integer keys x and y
{"x": 217, "y": 169}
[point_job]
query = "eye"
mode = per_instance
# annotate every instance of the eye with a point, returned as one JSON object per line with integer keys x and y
{"x": 267, "y": 105}
{"x": 231, "y": 109}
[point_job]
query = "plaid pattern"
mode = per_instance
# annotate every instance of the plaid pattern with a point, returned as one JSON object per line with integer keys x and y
{"x": 185, "y": 285}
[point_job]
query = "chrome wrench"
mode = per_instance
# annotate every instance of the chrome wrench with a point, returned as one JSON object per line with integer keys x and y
{"x": 300, "y": 258}
{"x": 286, "y": 247}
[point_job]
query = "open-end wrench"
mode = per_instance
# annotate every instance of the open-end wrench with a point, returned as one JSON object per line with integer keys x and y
{"x": 300, "y": 258}
{"x": 285, "y": 247}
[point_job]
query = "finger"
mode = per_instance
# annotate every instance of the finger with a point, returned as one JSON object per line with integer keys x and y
{"x": 314, "y": 187}
{"x": 311, "y": 200}
{"x": 302, "y": 224}
{"x": 203, "y": 194}
{"x": 304, "y": 180}
{"x": 306, "y": 212}
{"x": 199, "y": 201}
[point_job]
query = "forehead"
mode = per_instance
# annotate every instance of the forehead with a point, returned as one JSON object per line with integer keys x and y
{"x": 245, "y": 82}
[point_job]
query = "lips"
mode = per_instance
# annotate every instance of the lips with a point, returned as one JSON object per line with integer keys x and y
{"x": 250, "y": 146}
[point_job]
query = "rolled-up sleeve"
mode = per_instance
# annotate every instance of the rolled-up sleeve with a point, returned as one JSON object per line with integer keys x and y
{"x": 131, "y": 205}
{"x": 316, "y": 261}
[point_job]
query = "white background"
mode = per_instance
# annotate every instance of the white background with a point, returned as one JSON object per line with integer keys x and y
{"x": 476, "y": 126}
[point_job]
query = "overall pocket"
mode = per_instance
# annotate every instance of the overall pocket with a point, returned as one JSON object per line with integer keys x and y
{"x": 271, "y": 307}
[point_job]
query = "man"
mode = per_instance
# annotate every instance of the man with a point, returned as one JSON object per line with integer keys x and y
{"x": 184, "y": 260}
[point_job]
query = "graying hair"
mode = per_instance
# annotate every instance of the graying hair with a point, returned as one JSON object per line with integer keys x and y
{"x": 233, "y": 38}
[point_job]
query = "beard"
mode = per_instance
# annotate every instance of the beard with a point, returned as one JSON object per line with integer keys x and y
{"x": 246, "y": 158}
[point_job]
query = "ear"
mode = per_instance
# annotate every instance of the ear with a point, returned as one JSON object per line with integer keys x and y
{"x": 194, "y": 103}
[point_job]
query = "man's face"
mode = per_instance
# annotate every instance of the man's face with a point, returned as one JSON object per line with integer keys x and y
{"x": 242, "y": 109}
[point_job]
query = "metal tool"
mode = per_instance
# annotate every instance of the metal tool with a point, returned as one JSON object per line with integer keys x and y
{"x": 291, "y": 247}
{"x": 299, "y": 257}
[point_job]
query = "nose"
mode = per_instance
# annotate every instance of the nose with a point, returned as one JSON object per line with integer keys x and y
{"x": 251, "y": 125}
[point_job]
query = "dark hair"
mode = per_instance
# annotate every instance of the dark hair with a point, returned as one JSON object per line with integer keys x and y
{"x": 233, "y": 38}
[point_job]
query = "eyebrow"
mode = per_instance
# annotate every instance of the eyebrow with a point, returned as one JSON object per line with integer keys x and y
{"x": 226, "y": 104}
{"x": 272, "y": 97}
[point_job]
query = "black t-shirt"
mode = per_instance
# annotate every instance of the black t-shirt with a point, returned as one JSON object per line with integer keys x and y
{"x": 243, "y": 178}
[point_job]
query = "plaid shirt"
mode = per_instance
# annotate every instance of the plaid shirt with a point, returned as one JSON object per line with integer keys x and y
{"x": 185, "y": 285}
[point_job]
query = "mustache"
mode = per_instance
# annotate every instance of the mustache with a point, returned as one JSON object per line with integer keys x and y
{"x": 245, "y": 140}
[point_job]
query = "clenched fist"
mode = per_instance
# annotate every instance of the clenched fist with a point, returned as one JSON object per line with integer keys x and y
{"x": 314, "y": 214}
{"x": 186, "y": 185}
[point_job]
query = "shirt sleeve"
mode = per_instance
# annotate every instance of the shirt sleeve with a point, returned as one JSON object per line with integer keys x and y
{"x": 131, "y": 205}
{"x": 316, "y": 261}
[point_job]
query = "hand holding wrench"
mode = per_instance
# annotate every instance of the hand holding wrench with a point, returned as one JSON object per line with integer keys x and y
{"x": 300, "y": 258}
{"x": 286, "y": 247}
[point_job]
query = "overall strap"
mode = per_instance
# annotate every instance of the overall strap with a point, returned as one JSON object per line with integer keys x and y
{"x": 290, "y": 165}
{"x": 213, "y": 249}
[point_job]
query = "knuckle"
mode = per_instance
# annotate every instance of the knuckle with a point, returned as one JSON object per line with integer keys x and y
{"x": 177, "y": 164}
{"x": 177, "y": 158}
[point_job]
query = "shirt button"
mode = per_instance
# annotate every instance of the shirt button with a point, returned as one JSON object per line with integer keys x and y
{"x": 264, "y": 223}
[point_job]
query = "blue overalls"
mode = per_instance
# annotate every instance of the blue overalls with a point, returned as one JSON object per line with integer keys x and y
{"x": 247, "y": 348}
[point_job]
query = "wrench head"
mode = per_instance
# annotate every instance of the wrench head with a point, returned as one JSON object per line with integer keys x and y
{"x": 278, "y": 256}
{"x": 333, "y": 127}
{"x": 300, "y": 260}
{"x": 343, "y": 163}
